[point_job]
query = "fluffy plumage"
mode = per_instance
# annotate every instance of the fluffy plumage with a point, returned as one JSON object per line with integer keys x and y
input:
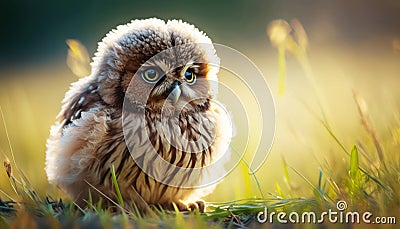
{"x": 188, "y": 131}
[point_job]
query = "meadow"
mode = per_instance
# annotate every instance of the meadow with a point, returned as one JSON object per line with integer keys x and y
{"x": 337, "y": 139}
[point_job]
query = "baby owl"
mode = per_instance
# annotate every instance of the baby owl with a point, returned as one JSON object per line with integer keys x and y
{"x": 148, "y": 113}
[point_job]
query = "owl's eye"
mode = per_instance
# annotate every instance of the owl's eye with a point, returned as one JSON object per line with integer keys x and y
{"x": 190, "y": 77}
{"x": 150, "y": 75}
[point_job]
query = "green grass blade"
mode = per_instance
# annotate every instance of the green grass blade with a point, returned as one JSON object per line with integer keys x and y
{"x": 115, "y": 182}
{"x": 285, "y": 172}
{"x": 320, "y": 182}
{"x": 354, "y": 163}
{"x": 179, "y": 220}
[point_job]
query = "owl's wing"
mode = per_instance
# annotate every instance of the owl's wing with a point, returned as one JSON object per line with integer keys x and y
{"x": 80, "y": 98}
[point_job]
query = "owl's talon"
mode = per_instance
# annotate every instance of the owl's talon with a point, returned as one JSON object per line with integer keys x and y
{"x": 199, "y": 205}
{"x": 202, "y": 205}
{"x": 193, "y": 206}
{"x": 182, "y": 206}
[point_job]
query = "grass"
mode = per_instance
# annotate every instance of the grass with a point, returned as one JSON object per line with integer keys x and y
{"x": 364, "y": 173}
{"x": 368, "y": 189}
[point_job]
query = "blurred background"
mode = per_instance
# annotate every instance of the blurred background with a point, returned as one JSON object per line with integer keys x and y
{"x": 353, "y": 46}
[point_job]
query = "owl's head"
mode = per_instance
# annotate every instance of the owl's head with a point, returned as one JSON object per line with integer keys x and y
{"x": 157, "y": 65}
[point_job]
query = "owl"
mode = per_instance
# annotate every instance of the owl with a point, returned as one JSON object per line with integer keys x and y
{"x": 146, "y": 116}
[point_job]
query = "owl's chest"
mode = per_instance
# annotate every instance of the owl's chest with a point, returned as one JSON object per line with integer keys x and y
{"x": 180, "y": 140}
{"x": 193, "y": 133}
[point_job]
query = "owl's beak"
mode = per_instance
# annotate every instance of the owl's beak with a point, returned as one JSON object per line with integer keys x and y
{"x": 175, "y": 93}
